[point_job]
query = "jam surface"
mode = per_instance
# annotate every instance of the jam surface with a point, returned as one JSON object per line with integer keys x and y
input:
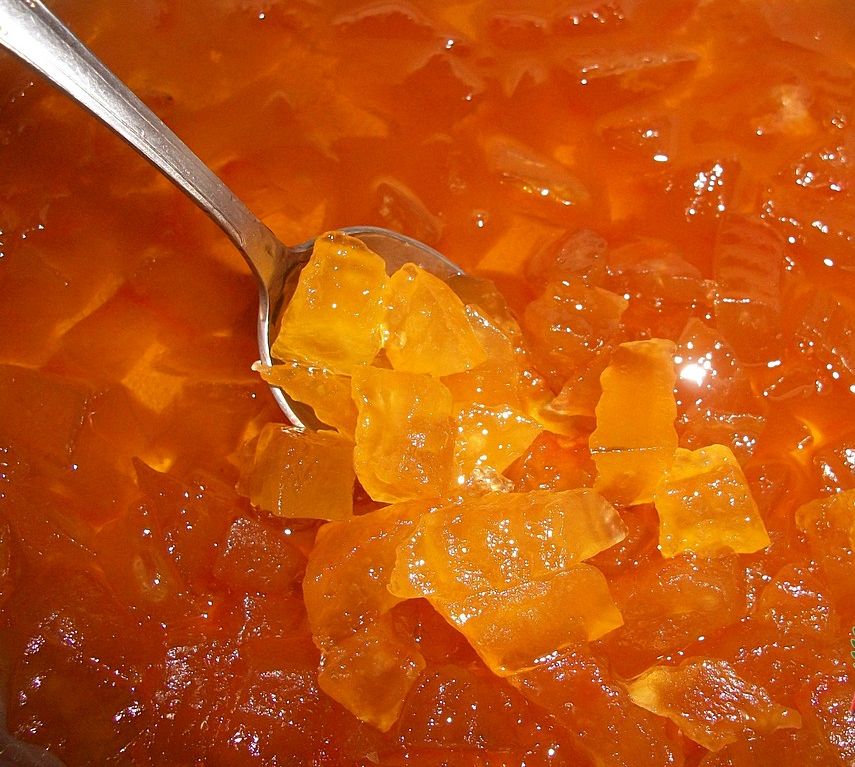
{"x": 662, "y": 192}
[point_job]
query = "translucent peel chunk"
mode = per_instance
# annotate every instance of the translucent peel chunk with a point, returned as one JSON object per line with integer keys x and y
{"x": 579, "y": 690}
{"x": 490, "y": 437}
{"x": 348, "y": 570}
{"x": 301, "y": 473}
{"x": 496, "y": 381}
{"x": 368, "y": 661}
{"x": 404, "y": 439}
{"x": 512, "y": 629}
{"x": 829, "y": 520}
{"x": 710, "y": 702}
{"x": 705, "y": 505}
{"x": 635, "y": 438}
{"x": 326, "y": 392}
{"x": 337, "y": 315}
{"x": 371, "y": 672}
{"x": 501, "y": 541}
{"x": 429, "y": 331}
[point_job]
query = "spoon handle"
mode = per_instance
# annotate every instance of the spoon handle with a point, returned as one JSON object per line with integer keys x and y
{"x": 30, "y": 31}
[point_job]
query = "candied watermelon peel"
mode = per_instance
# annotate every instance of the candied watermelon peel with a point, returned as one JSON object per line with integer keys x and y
{"x": 432, "y": 400}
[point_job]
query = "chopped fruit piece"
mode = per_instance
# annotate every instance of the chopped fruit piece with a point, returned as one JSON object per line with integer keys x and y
{"x": 714, "y": 397}
{"x": 826, "y": 332}
{"x": 581, "y": 390}
{"x": 512, "y": 629}
{"x": 337, "y": 315}
{"x": 349, "y": 568}
{"x": 429, "y": 331}
{"x": 504, "y": 569}
{"x": 577, "y": 688}
{"x": 578, "y": 255}
{"x": 796, "y": 603}
{"x": 457, "y": 706}
{"x": 501, "y": 541}
{"x": 484, "y": 298}
{"x": 569, "y": 325}
{"x": 553, "y": 462}
{"x": 710, "y": 702}
{"x": 663, "y": 289}
{"x": 368, "y": 661}
{"x": 635, "y": 439}
{"x": 749, "y": 264}
{"x": 404, "y": 437}
{"x": 668, "y": 604}
{"x": 42, "y": 413}
{"x": 371, "y": 672}
{"x": 533, "y": 174}
{"x": 256, "y": 558}
{"x": 490, "y": 438}
{"x": 496, "y": 381}
{"x": 705, "y": 505}
{"x": 830, "y": 520}
{"x": 299, "y": 473}
{"x": 326, "y": 392}
{"x": 784, "y": 748}
{"x": 829, "y": 526}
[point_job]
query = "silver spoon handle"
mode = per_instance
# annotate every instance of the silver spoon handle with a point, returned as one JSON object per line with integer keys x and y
{"x": 29, "y": 30}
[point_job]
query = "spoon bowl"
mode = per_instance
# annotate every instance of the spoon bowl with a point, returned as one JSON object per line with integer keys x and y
{"x": 34, "y": 34}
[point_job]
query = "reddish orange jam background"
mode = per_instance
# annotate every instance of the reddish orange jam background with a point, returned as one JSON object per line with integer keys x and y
{"x": 709, "y": 143}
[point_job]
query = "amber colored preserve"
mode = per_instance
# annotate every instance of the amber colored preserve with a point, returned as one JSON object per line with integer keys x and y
{"x": 598, "y": 510}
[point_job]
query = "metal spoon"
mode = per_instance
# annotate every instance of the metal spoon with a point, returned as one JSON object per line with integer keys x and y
{"x": 34, "y": 34}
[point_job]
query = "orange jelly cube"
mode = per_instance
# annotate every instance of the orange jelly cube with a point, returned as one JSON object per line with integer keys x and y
{"x": 371, "y": 672}
{"x": 501, "y": 541}
{"x": 829, "y": 521}
{"x": 301, "y": 473}
{"x": 326, "y": 392}
{"x": 429, "y": 331}
{"x": 569, "y": 323}
{"x": 579, "y": 690}
{"x": 404, "y": 437}
{"x": 349, "y": 568}
{"x": 504, "y": 570}
{"x": 490, "y": 438}
{"x": 512, "y": 628}
{"x": 635, "y": 438}
{"x": 496, "y": 380}
{"x": 257, "y": 559}
{"x": 710, "y": 702}
{"x": 705, "y": 505}
{"x": 337, "y": 314}
{"x": 368, "y": 662}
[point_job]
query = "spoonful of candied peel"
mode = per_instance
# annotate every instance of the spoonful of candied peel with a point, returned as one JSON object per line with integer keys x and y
{"x": 30, "y": 31}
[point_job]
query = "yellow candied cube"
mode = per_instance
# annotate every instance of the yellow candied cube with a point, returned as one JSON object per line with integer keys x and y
{"x": 710, "y": 702}
{"x": 404, "y": 437}
{"x": 829, "y": 521}
{"x": 635, "y": 439}
{"x": 326, "y": 392}
{"x": 490, "y": 438}
{"x": 499, "y": 379}
{"x": 505, "y": 570}
{"x": 300, "y": 473}
{"x": 502, "y": 540}
{"x": 429, "y": 331}
{"x": 705, "y": 505}
{"x": 511, "y": 629}
{"x": 371, "y": 672}
{"x": 337, "y": 315}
